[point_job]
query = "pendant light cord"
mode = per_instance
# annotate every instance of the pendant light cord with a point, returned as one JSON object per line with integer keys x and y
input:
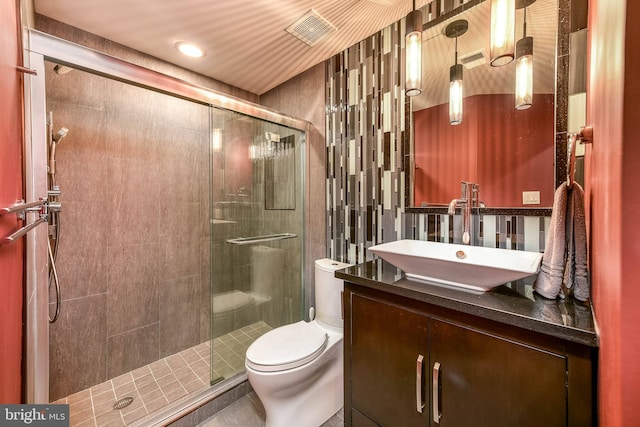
{"x": 456, "y": 57}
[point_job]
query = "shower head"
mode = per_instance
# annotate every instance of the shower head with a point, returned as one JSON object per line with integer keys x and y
{"x": 61, "y": 69}
{"x": 61, "y": 134}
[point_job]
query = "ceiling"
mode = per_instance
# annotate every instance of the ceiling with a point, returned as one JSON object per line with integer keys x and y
{"x": 247, "y": 45}
{"x": 245, "y": 41}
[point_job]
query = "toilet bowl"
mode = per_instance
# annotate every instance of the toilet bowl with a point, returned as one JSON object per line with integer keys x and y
{"x": 297, "y": 369}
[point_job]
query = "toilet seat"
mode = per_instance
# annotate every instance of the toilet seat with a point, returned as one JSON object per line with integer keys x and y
{"x": 286, "y": 347}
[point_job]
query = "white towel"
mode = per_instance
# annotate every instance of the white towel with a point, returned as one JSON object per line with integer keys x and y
{"x": 565, "y": 257}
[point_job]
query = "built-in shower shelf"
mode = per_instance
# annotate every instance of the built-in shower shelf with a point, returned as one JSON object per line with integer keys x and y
{"x": 222, "y": 221}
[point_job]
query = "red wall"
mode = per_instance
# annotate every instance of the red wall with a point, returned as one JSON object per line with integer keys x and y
{"x": 11, "y": 256}
{"x": 613, "y": 189}
{"x": 482, "y": 149}
{"x": 444, "y": 154}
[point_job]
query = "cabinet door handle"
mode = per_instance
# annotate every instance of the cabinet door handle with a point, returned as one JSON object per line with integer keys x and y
{"x": 436, "y": 393}
{"x": 419, "y": 399}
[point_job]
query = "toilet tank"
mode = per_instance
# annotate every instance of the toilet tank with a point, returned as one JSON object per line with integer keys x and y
{"x": 328, "y": 292}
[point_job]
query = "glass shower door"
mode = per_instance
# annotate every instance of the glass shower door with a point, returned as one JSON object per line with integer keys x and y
{"x": 257, "y": 223}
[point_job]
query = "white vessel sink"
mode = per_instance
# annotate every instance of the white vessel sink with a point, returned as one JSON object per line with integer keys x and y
{"x": 473, "y": 268}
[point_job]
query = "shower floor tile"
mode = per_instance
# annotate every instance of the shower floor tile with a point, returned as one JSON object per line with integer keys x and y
{"x": 155, "y": 385}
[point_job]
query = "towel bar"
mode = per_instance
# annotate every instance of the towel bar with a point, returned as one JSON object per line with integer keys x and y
{"x": 22, "y": 231}
{"x": 260, "y": 239}
{"x": 21, "y": 206}
{"x": 585, "y": 136}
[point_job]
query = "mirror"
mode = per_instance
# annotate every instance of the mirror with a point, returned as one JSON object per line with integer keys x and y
{"x": 510, "y": 153}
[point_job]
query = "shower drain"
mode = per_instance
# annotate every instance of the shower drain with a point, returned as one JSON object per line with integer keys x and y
{"x": 123, "y": 403}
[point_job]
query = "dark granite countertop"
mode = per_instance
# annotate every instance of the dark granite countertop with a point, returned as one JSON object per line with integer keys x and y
{"x": 514, "y": 303}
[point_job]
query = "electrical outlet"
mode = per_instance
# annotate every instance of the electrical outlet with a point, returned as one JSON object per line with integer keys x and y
{"x": 530, "y": 197}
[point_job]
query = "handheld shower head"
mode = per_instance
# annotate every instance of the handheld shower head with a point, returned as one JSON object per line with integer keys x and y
{"x": 61, "y": 134}
{"x": 55, "y": 140}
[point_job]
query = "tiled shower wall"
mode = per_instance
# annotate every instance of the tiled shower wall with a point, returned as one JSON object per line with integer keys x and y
{"x": 88, "y": 358}
{"x": 134, "y": 228}
{"x": 368, "y": 153}
{"x": 134, "y": 247}
{"x": 303, "y": 97}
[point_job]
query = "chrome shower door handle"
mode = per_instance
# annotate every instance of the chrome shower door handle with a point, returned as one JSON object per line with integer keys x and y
{"x": 419, "y": 400}
{"x": 436, "y": 393}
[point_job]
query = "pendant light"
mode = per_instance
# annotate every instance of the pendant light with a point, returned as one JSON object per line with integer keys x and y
{"x": 413, "y": 52}
{"x": 455, "y": 30}
{"x": 503, "y": 13}
{"x": 524, "y": 64}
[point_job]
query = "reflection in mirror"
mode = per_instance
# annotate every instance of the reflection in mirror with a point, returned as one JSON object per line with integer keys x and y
{"x": 577, "y": 107}
{"x": 506, "y": 151}
{"x": 279, "y": 172}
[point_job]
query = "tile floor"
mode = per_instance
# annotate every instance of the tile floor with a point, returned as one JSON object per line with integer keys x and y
{"x": 155, "y": 385}
{"x": 249, "y": 412}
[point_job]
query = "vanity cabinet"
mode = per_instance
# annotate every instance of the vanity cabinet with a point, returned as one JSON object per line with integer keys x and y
{"x": 387, "y": 343}
{"x": 410, "y": 363}
{"x": 486, "y": 380}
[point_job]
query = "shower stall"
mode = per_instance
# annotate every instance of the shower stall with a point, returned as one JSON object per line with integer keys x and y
{"x": 180, "y": 236}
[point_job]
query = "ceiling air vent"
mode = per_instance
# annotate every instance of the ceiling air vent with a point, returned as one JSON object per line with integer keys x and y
{"x": 474, "y": 59}
{"x": 310, "y": 28}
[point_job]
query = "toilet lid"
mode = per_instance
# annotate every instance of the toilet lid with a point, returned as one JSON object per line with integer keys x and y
{"x": 286, "y": 347}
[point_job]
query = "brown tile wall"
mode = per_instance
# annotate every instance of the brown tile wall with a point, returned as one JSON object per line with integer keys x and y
{"x": 132, "y": 170}
{"x": 304, "y": 97}
{"x": 135, "y": 246}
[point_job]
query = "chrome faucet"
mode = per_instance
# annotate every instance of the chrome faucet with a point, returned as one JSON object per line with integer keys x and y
{"x": 468, "y": 200}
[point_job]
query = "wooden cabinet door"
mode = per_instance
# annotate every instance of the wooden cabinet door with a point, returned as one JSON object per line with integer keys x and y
{"x": 386, "y": 343}
{"x": 488, "y": 381}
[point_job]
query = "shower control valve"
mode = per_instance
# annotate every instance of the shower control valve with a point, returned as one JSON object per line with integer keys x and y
{"x": 51, "y": 203}
{"x": 54, "y": 192}
{"x": 54, "y": 206}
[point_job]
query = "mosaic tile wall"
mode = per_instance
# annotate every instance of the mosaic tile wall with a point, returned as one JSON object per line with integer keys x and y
{"x": 368, "y": 152}
{"x": 515, "y": 232}
{"x": 365, "y": 119}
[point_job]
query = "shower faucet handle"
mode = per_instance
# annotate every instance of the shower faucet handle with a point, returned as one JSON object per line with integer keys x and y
{"x": 51, "y": 204}
{"x": 54, "y": 206}
{"x": 55, "y": 192}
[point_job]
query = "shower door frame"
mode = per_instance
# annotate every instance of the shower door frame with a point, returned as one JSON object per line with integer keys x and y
{"x": 40, "y": 47}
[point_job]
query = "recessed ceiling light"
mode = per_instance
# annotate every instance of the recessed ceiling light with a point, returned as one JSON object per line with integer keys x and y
{"x": 189, "y": 49}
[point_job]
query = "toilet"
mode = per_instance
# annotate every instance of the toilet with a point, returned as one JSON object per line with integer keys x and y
{"x": 297, "y": 369}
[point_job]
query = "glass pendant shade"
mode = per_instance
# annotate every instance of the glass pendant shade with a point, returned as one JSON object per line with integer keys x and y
{"x": 413, "y": 53}
{"x": 503, "y": 14}
{"x": 455, "y": 94}
{"x": 524, "y": 73}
